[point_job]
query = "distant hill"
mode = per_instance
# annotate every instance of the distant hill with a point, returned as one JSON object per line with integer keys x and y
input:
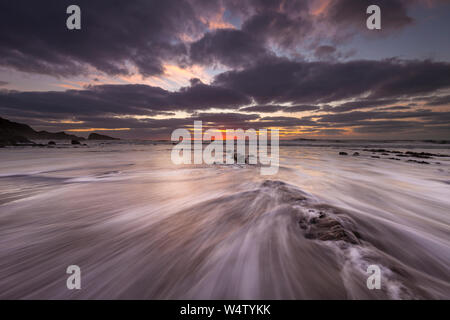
{"x": 96, "y": 136}
{"x": 12, "y": 133}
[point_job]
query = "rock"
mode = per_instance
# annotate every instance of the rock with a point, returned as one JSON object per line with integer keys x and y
{"x": 51, "y": 143}
{"x": 240, "y": 159}
{"x": 356, "y": 154}
{"x": 420, "y": 162}
{"x": 75, "y": 142}
{"x": 377, "y": 150}
{"x": 326, "y": 228}
{"x": 16, "y": 141}
{"x": 376, "y": 157}
{"x": 96, "y": 136}
{"x": 12, "y": 130}
{"x": 343, "y": 153}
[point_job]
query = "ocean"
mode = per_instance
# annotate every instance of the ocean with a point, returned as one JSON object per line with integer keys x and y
{"x": 141, "y": 227}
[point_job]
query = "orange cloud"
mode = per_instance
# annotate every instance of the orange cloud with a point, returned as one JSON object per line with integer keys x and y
{"x": 319, "y": 6}
{"x": 173, "y": 78}
{"x": 217, "y": 22}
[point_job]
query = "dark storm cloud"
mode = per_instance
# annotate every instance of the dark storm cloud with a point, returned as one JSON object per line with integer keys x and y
{"x": 283, "y": 81}
{"x": 363, "y": 104}
{"x": 439, "y": 101}
{"x": 118, "y": 100}
{"x": 128, "y": 99}
{"x": 279, "y": 81}
{"x": 34, "y": 37}
{"x": 275, "y": 108}
{"x": 377, "y": 118}
{"x": 264, "y": 109}
{"x": 202, "y": 96}
{"x": 394, "y": 108}
{"x": 233, "y": 48}
{"x": 286, "y": 122}
{"x": 229, "y": 119}
{"x": 146, "y": 33}
{"x": 282, "y": 28}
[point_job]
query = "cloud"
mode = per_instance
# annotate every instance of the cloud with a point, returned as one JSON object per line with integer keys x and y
{"x": 263, "y": 108}
{"x": 276, "y": 108}
{"x": 143, "y": 33}
{"x": 439, "y": 101}
{"x": 363, "y": 104}
{"x": 284, "y": 81}
{"x": 202, "y": 96}
{"x": 351, "y": 13}
{"x": 232, "y": 48}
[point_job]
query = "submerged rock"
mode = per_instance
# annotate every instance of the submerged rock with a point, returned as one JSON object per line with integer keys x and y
{"x": 327, "y": 228}
{"x": 420, "y": 162}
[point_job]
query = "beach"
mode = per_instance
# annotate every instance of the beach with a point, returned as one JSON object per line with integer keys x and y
{"x": 141, "y": 227}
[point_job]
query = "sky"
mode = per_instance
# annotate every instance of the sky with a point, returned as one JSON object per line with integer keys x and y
{"x": 310, "y": 68}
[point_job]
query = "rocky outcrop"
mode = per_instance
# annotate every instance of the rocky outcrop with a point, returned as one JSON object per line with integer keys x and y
{"x": 96, "y": 136}
{"x": 13, "y": 133}
{"x": 15, "y": 141}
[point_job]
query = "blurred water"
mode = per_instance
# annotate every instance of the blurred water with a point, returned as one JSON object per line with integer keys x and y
{"x": 140, "y": 227}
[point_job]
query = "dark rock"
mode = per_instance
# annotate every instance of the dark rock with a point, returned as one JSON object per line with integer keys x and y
{"x": 240, "y": 159}
{"x": 424, "y": 155}
{"x": 420, "y": 162}
{"x": 51, "y": 143}
{"x": 376, "y": 157}
{"x": 75, "y": 142}
{"x": 12, "y": 130}
{"x": 16, "y": 141}
{"x": 377, "y": 150}
{"x": 328, "y": 229}
{"x": 356, "y": 154}
{"x": 96, "y": 136}
{"x": 343, "y": 153}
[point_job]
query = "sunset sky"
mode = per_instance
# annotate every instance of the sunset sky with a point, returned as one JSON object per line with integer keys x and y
{"x": 140, "y": 69}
